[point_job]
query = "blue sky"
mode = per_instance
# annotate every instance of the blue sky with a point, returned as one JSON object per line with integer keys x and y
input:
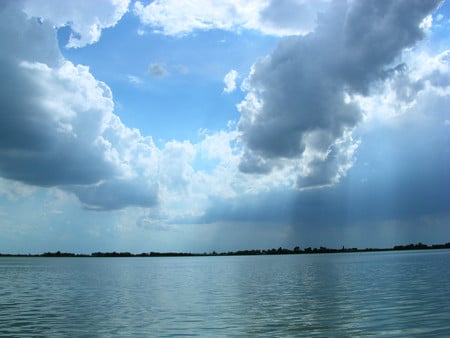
{"x": 200, "y": 125}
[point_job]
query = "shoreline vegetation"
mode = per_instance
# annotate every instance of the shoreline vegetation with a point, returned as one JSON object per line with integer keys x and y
{"x": 279, "y": 251}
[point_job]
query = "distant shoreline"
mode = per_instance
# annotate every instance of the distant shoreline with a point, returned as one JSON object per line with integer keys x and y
{"x": 280, "y": 251}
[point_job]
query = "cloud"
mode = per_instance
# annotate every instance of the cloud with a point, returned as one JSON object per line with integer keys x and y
{"x": 297, "y": 125}
{"x": 33, "y": 40}
{"x": 48, "y": 136}
{"x": 117, "y": 194}
{"x": 14, "y": 190}
{"x": 134, "y": 79}
{"x": 182, "y": 69}
{"x": 175, "y": 169}
{"x": 58, "y": 128}
{"x": 181, "y": 17}
{"x": 425, "y": 76}
{"x": 402, "y": 175}
{"x": 291, "y": 17}
{"x": 157, "y": 70}
{"x": 230, "y": 81}
{"x": 298, "y": 110}
{"x": 87, "y": 19}
{"x": 160, "y": 70}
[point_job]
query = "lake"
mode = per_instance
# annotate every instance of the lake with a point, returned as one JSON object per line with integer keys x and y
{"x": 327, "y": 295}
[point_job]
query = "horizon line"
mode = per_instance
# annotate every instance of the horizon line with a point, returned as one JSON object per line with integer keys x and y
{"x": 247, "y": 252}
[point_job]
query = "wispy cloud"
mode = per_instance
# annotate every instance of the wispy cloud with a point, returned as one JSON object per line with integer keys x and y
{"x": 134, "y": 79}
{"x": 158, "y": 70}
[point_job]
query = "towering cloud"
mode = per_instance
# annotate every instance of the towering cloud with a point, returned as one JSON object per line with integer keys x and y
{"x": 57, "y": 126}
{"x": 299, "y": 112}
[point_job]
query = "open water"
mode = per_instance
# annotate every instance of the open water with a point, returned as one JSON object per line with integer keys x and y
{"x": 394, "y": 294}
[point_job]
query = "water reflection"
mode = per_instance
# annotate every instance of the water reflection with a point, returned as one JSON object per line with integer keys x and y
{"x": 394, "y": 294}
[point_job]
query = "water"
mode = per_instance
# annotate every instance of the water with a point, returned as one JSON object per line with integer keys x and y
{"x": 359, "y": 294}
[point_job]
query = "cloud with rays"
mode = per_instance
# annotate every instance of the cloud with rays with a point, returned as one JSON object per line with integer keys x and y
{"x": 297, "y": 125}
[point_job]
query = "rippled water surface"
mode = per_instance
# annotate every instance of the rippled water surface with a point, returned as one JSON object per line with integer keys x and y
{"x": 359, "y": 294}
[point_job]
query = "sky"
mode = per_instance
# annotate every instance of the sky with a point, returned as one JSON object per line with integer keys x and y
{"x": 176, "y": 125}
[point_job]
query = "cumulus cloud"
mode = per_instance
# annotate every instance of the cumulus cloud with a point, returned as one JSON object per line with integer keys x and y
{"x": 425, "y": 75}
{"x": 230, "y": 81}
{"x": 53, "y": 120}
{"x": 298, "y": 112}
{"x": 57, "y": 126}
{"x": 85, "y": 18}
{"x": 181, "y": 17}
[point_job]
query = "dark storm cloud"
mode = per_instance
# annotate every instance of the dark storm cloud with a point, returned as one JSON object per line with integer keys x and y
{"x": 303, "y": 84}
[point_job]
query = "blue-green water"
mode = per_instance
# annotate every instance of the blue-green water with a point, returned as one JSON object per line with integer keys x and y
{"x": 359, "y": 294}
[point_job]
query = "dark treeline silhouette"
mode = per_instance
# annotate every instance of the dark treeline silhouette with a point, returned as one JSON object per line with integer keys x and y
{"x": 280, "y": 251}
{"x": 144, "y": 254}
{"x": 62, "y": 254}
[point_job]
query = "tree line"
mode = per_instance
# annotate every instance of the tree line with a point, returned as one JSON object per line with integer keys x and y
{"x": 280, "y": 251}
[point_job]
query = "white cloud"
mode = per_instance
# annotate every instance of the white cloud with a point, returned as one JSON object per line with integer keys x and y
{"x": 427, "y": 23}
{"x": 230, "y": 81}
{"x": 61, "y": 130}
{"x": 14, "y": 190}
{"x": 134, "y": 79}
{"x": 181, "y": 17}
{"x": 175, "y": 167}
{"x": 399, "y": 96}
{"x": 86, "y": 18}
